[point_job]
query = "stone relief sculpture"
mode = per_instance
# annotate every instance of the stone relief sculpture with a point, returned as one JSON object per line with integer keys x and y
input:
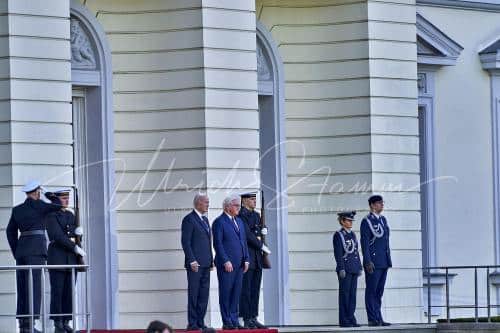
{"x": 82, "y": 52}
{"x": 263, "y": 72}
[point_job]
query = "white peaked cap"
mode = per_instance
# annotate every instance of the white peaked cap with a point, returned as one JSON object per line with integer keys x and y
{"x": 31, "y": 186}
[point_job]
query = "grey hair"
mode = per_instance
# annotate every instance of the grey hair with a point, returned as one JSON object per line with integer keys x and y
{"x": 198, "y": 197}
{"x": 227, "y": 200}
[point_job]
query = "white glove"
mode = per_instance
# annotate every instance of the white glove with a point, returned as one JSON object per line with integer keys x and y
{"x": 265, "y": 249}
{"x": 78, "y": 250}
{"x": 263, "y": 231}
{"x": 79, "y": 231}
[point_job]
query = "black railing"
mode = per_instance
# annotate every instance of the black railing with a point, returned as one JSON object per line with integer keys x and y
{"x": 429, "y": 271}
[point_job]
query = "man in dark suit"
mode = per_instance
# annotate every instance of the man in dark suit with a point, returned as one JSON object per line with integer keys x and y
{"x": 376, "y": 258}
{"x": 249, "y": 300}
{"x": 231, "y": 260}
{"x": 62, "y": 231}
{"x": 29, "y": 248}
{"x": 196, "y": 243}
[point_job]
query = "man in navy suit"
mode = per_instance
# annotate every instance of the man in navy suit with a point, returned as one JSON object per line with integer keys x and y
{"x": 376, "y": 258}
{"x": 196, "y": 243}
{"x": 231, "y": 260}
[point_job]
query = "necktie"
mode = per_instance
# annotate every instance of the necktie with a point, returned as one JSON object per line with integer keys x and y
{"x": 236, "y": 224}
{"x": 205, "y": 223}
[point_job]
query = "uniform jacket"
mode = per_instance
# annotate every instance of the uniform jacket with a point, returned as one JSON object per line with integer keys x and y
{"x": 61, "y": 227}
{"x": 348, "y": 262}
{"x": 376, "y": 250}
{"x": 253, "y": 229}
{"x": 196, "y": 241}
{"x": 28, "y": 216}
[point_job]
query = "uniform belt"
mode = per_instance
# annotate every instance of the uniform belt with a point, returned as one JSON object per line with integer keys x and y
{"x": 33, "y": 233}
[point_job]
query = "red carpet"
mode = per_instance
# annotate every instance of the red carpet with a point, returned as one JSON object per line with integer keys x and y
{"x": 271, "y": 330}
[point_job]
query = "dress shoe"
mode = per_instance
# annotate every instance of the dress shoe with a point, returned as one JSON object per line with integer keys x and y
{"x": 248, "y": 323}
{"x": 228, "y": 327}
{"x": 192, "y": 328}
{"x": 239, "y": 327}
{"x": 373, "y": 323}
{"x": 383, "y": 323}
{"x": 345, "y": 325}
{"x": 355, "y": 325}
{"x": 259, "y": 325}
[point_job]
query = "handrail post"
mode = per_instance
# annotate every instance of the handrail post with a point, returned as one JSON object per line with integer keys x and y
{"x": 44, "y": 305}
{"x": 488, "y": 293}
{"x": 73, "y": 298}
{"x": 429, "y": 307}
{"x": 447, "y": 296}
{"x": 87, "y": 300}
{"x": 30, "y": 298}
{"x": 476, "y": 303}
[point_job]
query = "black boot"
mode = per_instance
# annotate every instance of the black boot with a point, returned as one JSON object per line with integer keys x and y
{"x": 68, "y": 328}
{"x": 258, "y": 325}
{"x": 59, "y": 326}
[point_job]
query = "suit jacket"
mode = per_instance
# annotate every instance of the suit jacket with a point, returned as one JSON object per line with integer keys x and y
{"x": 61, "y": 227}
{"x": 253, "y": 228}
{"x": 376, "y": 250}
{"x": 345, "y": 261}
{"x": 29, "y": 216}
{"x": 196, "y": 241}
{"x": 229, "y": 242}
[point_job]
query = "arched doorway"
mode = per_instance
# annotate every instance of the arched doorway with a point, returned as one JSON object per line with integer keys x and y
{"x": 93, "y": 161}
{"x": 273, "y": 175}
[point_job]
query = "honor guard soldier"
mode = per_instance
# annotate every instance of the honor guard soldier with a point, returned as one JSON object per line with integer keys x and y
{"x": 376, "y": 258}
{"x": 249, "y": 300}
{"x": 62, "y": 231}
{"x": 29, "y": 248}
{"x": 345, "y": 249}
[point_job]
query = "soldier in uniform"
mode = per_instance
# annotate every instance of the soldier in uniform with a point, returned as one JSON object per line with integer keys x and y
{"x": 376, "y": 258}
{"x": 62, "y": 231}
{"x": 29, "y": 248}
{"x": 249, "y": 300}
{"x": 345, "y": 249}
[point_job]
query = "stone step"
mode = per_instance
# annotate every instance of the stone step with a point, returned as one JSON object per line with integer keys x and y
{"x": 407, "y": 328}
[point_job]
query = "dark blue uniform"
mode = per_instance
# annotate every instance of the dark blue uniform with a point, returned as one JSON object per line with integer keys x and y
{"x": 196, "y": 243}
{"x": 375, "y": 246}
{"x": 249, "y": 300}
{"x": 29, "y": 249}
{"x": 61, "y": 227}
{"x": 345, "y": 249}
{"x": 230, "y": 245}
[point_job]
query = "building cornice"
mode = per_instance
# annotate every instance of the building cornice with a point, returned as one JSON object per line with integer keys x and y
{"x": 490, "y": 6}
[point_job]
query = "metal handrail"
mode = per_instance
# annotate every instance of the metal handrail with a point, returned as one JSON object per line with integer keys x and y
{"x": 449, "y": 306}
{"x": 44, "y": 314}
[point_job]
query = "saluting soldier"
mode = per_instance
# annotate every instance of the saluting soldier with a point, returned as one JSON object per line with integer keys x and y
{"x": 376, "y": 258}
{"x": 249, "y": 300}
{"x": 345, "y": 249}
{"x": 29, "y": 248}
{"x": 62, "y": 231}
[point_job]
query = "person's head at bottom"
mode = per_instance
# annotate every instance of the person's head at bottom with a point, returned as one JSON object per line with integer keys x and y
{"x": 157, "y": 326}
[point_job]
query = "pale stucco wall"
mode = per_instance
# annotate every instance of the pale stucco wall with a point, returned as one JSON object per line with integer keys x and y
{"x": 351, "y": 119}
{"x": 463, "y": 148}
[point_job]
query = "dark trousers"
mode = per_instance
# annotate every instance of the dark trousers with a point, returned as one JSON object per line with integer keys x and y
{"x": 375, "y": 284}
{"x": 22, "y": 280}
{"x": 198, "y": 289}
{"x": 229, "y": 294}
{"x": 61, "y": 298}
{"x": 347, "y": 299}
{"x": 250, "y": 292}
